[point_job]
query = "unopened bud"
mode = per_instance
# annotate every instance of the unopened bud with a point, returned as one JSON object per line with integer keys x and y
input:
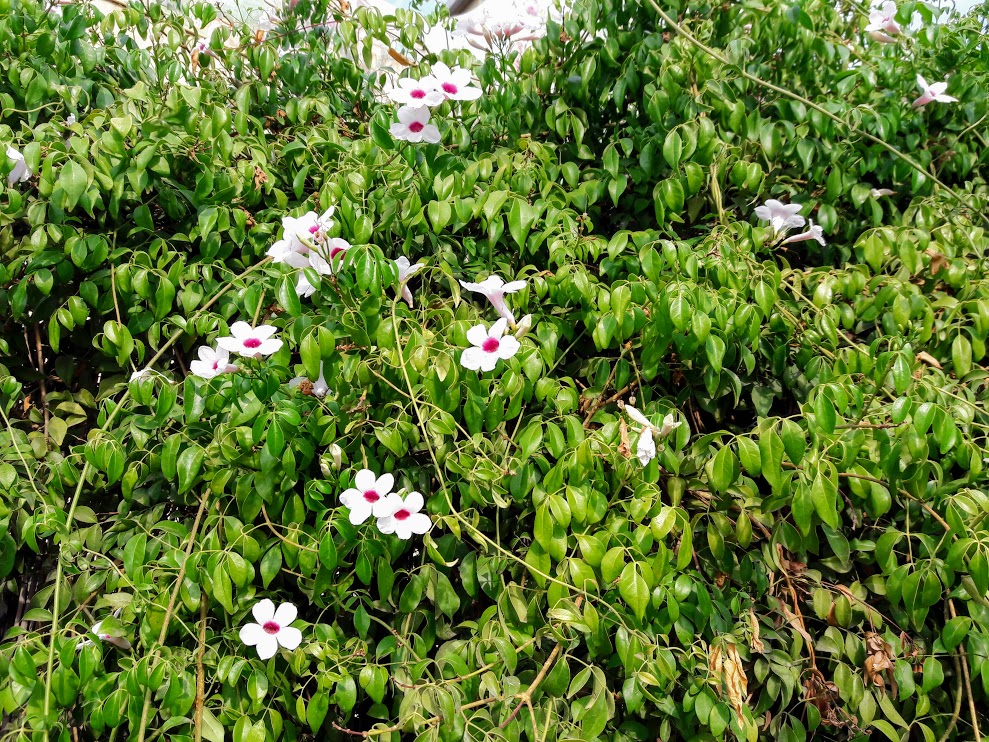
{"x": 523, "y": 327}
{"x": 332, "y": 460}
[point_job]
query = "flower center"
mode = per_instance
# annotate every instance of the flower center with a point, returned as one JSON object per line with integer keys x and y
{"x": 449, "y": 88}
{"x": 415, "y": 127}
{"x": 216, "y": 365}
{"x": 314, "y": 229}
{"x": 418, "y": 94}
{"x": 252, "y": 343}
{"x": 270, "y": 627}
{"x": 490, "y": 345}
{"x": 334, "y": 251}
{"x": 372, "y": 496}
{"x": 402, "y": 514}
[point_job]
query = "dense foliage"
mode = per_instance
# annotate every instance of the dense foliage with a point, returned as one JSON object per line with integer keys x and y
{"x": 806, "y": 556}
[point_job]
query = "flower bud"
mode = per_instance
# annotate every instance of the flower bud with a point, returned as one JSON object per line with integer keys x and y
{"x": 523, "y": 327}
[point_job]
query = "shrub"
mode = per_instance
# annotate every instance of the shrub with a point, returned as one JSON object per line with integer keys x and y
{"x": 726, "y": 485}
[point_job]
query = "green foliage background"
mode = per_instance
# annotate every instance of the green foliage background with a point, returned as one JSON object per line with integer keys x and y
{"x": 808, "y": 556}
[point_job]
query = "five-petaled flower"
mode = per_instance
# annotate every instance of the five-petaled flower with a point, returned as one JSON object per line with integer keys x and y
{"x": 300, "y": 235}
{"x": 405, "y": 271}
{"x": 814, "y": 232}
{"x": 272, "y": 629}
{"x": 488, "y": 346}
{"x": 212, "y": 362}
{"x": 495, "y": 288}
{"x": 369, "y": 496}
{"x": 118, "y": 641}
{"x": 413, "y": 126}
{"x": 250, "y": 342}
{"x": 781, "y": 217}
{"x": 931, "y": 93}
{"x": 404, "y": 516}
{"x": 454, "y": 83}
{"x": 882, "y": 24}
{"x": 21, "y": 171}
{"x": 417, "y": 93}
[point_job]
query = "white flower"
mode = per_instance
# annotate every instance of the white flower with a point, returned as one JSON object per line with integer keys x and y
{"x": 495, "y": 288}
{"x": 781, "y": 217}
{"x": 272, "y": 629}
{"x": 250, "y": 342}
{"x": 319, "y": 264}
{"x": 212, "y": 362}
{"x": 117, "y": 641}
{"x": 880, "y": 192}
{"x": 369, "y": 496}
{"x": 71, "y": 119}
{"x": 300, "y": 235}
{"x": 814, "y": 232}
{"x": 404, "y": 518}
{"x": 21, "y": 171}
{"x": 417, "y": 93}
{"x": 882, "y": 23}
{"x": 413, "y": 126}
{"x": 645, "y": 450}
{"x": 319, "y": 387}
{"x": 930, "y": 93}
{"x": 496, "y": 24}
{"x": 454, "y": 83}
{"x": 405, "y": 271}
{"x": 489, "y": 346}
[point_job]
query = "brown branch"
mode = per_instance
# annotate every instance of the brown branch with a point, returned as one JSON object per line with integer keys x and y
{"x": 41, "y": 383}
{"x": 200, "y": 674}
{"x": 958, "y": 697}
{"x": 968, "y": 681}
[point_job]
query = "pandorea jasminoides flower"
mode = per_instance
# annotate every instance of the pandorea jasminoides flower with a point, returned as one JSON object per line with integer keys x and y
{"x": 495, "y": 288}
{"x": 455, "y": 83}
{"x": 300, "y": 235}
{"x": 417, "y": 93}
{"x": 882, "y": 24}
{"x": 369, "y": 496}
{"x": 405, "y": 271}
{"x": 814, "y": 232}
{"x": 405, "y": 517}
{"x": 118, "y": 641}
{"x": 880, "y": 192}
{"x": 781, "y": 217}
{"x": 272, "y": 629}
{"x": 250, "y": 342}
{"x": 317, "y": 388}
{"x": 21, "y": 171}
{"x": 488, "y": 346}
{"x": 212, "y": 362}
{"x": 931, "y": 93}
{"x": 319, "y": 264}
{"x": 645, "y": 449}
{"x": 413, "y": 126}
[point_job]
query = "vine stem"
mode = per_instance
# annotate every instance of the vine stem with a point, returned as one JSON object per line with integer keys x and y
{"x": 171, "y": 610}
{"x": 968, "y": 681}
{"x": 811, "y": 104}
{"x": 70, "y": 516}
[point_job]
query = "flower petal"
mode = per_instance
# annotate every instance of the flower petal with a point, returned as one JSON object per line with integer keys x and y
{"x": 267, "y": 646}
{"x": 251, "y": 634}
{"x": 383, "y": 486}
{"x": 240, "y": 329}
{"x": 365, "y": 480}
{"x": 289, "y": 637}
{"x": 477, "y": 335}
{"x": 509, "y": 347}
{"x": 386, "y": 525}
{"x": 498, "y": 328}
{"x": 419, "y": 523}
{"x": 413, "y": 502}
{"x": 286, "y": 614}
{"x": 263, "y": 611}
{"x": 360, "y": 511}
{"x": 473, "y": 358}
{"x": 513, "y": 286}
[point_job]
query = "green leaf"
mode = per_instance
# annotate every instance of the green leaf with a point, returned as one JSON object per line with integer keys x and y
{"x": 74, "y": 182}
{"x": 954, "y": 632}
{"x": 722, "y": 470}
{"x": 673, "y": 149}
{"x": 633, "y": 589}
{"x": 190, "y": 462}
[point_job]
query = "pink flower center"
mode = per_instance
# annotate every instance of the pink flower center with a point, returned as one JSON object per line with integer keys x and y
{"x": 252, "y": 343}
{"x": 334, "y": 251}
{"x": 372, "y": 496}
{"x": 418, "y": 94}
{"x": 415, "y": 127}
{"x": 216, "y": 365}
{"x": 402, "y": 514}
{"x": 270, "y": 627}
{"x": 490, "y": 345}
{"x": 449, "y": 88}
{"x": 314, "y": 229}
